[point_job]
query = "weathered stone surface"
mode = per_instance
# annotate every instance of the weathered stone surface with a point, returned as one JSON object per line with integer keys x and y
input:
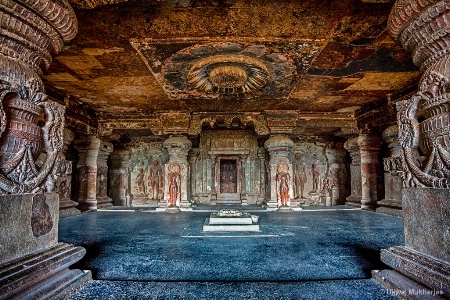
{"x": 422, "y": 269}
{"x": 43, "y": 274}
{"x": 427, "y": 221}
{"x": 29, "y": 224}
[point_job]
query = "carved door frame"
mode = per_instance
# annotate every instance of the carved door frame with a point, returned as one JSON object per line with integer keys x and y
{"x": 229, "y": 198}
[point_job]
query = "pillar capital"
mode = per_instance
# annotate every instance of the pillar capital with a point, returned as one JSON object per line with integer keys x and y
{"x": 279, "y": 145}
{"x": 31, "y": 25}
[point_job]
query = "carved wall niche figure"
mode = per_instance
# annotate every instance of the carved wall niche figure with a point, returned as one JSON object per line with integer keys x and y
{"x": 155, "y": 180}
{"x": 300, "y": 177}
{"x": 102, "y": 181}
{"x": 174, "y": 182}
{"x": 315, "y": 173}
{"x": 228, "y": 176}
{"x": 316, "y": 164}
{"x": 283, "y": 183}
{"x": 139, "y": 183}
{"x": 147, "y": 173}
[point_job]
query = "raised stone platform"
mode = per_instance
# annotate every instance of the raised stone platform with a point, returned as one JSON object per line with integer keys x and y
{"x": 231, "y": 220}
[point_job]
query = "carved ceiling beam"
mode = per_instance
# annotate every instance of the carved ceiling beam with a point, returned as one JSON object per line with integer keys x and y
{"x": 256, "y": 120}
{"x": 111, "y": 129}
{"x": 264, "y": 123}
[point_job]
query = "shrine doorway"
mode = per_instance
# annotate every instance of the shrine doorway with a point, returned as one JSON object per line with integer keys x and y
{"x": 229, "y": 187}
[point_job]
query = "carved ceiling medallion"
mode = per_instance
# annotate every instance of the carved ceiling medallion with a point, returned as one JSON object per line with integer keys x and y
{"x": 228, "y": 74}
{"x": 221, "y": 70}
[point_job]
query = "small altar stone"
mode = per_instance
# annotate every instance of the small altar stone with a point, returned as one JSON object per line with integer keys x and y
{"x": 231, "y": 220}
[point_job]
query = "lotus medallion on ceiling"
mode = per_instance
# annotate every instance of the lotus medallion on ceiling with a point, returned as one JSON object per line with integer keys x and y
{"x": 226, "y": 70}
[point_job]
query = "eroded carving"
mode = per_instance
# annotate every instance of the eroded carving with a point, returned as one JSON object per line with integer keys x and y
{"x": 41, "y": 219}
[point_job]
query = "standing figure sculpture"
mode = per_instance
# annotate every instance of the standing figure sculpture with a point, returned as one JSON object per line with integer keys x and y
{"x": 300, "y": 178}
{"x": 283, "y": 179}
{"x": 174, "y": 180}
{"x": 154, "y": 180}
{"x": 315, "y": 172}
{"x": 227, "y": 180}
{"x": 140, "y": 182}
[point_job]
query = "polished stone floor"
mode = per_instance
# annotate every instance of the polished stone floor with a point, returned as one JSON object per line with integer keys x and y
{"x": 313, "y": 254}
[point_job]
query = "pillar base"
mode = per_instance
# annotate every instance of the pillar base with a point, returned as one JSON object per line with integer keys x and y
{"x": 415, "y": 275}
{"x": 44, "y": 274}
{"x": 103, "y": 202}
{"x": 353, "y": 200}
{"x": 390, "y": 207}
{"x": 67, "y": 208}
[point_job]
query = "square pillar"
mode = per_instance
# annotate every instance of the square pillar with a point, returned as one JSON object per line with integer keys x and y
{"x": 119, "y": 187}
{"x": 392, "y": 202}
{"x": 177, "y": 178}
{"x": 280, "y": 147}
{"x": 351, "y": 145}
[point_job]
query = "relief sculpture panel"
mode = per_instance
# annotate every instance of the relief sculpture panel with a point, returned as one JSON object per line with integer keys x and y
{"x": 317, "y": 174}
{"x": 228, "y": 176}
{"x": 147, "y": 173}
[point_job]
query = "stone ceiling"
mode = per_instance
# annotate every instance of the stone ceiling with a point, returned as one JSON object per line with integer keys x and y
{"x": 133, "y": 59}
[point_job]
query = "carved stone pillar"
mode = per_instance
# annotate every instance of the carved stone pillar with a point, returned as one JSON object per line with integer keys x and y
{"x": 280, "y": 149}
{"x": 92, "y": 172}
{"x": 32, "y": 262}
{"x": 64, "y": 181}
{"x": 337, "y": 174}
{"x": 244, "y": 179}
{"x": 423, "y": 264}
{"x": 369, "y": 147}
{"x": 119, "y": 186}
{"x": 351, "y": 145}
{"x": 262, "y": 175}
{"x": 392, "y": 202}
{"x": 178, "y": 147}
{"x": 102, "y": 174}
{"x": 214, "y": 165}
{"x": 193, "y": 158}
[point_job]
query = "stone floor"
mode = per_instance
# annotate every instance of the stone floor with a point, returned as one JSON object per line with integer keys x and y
{"x": 313, "y": 254}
